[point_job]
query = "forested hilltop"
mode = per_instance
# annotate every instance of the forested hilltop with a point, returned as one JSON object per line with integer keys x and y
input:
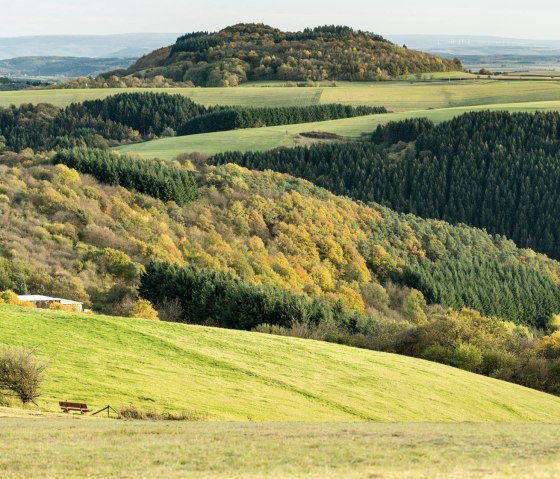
{"x": 250, "y": 52}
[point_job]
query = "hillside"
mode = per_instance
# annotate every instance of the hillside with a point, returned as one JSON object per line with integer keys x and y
{"x": 248, "y": 52}
{"x": 238, "y": 375}
{"x": 252, "y": 248}
{"x": 264, "y": 227}
{"x": 233, "y": 248}
{"x": 493, "y": 170}
{"x": 396, "y": 96}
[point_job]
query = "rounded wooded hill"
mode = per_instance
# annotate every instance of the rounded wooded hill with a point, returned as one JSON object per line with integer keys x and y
{"x": 255, "y": 52}
{"x": 237, "y": 375}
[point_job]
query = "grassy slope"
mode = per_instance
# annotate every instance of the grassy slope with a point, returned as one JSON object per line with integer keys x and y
{"x": 239, "y": 375}
{"x": 288, "y": 135}
{"x": 54, "y": 447}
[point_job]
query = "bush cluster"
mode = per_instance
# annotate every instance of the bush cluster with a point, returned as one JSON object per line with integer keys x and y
{"x": 133, "y": 412}
{"x": 21, "y": 374}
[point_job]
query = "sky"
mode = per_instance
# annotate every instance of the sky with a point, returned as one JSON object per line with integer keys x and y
{"x": 537, "y": 19}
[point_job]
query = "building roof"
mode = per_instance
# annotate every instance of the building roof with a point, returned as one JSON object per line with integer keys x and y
{"x": 35, "y": 298}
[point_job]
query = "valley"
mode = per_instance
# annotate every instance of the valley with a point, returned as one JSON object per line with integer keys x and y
{"x": 311, "y": 253}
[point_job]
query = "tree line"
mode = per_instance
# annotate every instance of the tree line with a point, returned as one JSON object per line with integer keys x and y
{"x": 133, "y": 117}
{"x": 214, "y": 297}
{"x": 117, "y": 119}
{"x": 160, "y": 180}
{"x": 46, "y": 127}
{"x": 236, "y": 118}
{"x": 201, "y": 41}
{"x": 149, "y": 113}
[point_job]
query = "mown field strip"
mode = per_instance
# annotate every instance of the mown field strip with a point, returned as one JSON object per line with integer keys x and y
{"x": 205, "y": 96}
{"x": 395, "y": 96}
{"x": 59, "y": 447}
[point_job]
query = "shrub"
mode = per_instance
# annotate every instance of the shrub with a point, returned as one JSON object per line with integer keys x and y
{"x": 549, "y": 346}
{"x": 62, "y": 307}
{"x": 498, "y": 363}
{"x": 436, "y": 353}
{"x": 467, "y": 357}
{"x": 413, "y": 307}
{"x": 9, "y": 297}
{"x": 132, "y": 411}
{"x": 554, "y": 323}
{"x": 375, "y": 296}
{"x": 21, "y": 373}
{"x": 534, "y": 374}
{"x": 144, "y": 309}
{"x": 170, "y": 310}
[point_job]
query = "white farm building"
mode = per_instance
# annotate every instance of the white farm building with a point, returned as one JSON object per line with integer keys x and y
{"x": 44, "y": 302}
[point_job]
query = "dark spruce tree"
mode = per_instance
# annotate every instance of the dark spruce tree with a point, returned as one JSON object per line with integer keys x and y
{"x": 234, "y": 118}
{"x": 157, "y": 179}
{"x": 215, "y": 297}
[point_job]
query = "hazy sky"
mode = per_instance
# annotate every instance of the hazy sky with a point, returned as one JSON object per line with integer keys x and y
{"x": 514, "y": 18}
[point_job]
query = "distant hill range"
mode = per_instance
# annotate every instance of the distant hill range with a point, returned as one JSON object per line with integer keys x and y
{"x": 457, "y": 45}
{"x": 60, "y": 67}
{"x": 248, "y": 52}
{"x": 128, "y": 45}
{"x": 495, "y": 53}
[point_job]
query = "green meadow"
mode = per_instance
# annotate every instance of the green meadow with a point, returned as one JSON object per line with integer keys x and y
{"x": 260, "y": 139}
{"x": 395, "y": 96}
{"x": 237, "y": 375}
{"x": 206, "y": 96}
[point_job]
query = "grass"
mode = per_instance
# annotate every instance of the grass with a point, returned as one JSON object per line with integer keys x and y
{"x": 54, "y": 447}
{"x": 395, "y": 96}
{"x": 205, "y": 96}
{"x": 259, "y": 139}
{"x": 235, "y": 375}
{"x": 404, "y": 96}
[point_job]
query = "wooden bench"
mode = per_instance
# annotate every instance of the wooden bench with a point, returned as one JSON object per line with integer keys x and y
{"x": 74, "y": 406}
